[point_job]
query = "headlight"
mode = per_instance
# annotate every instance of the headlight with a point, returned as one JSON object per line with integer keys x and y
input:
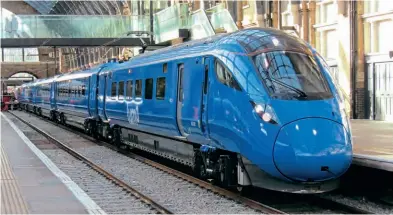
{"x": 265, "y": 112}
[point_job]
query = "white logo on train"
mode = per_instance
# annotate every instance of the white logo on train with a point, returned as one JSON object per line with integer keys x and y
{"x": 133, "y": 115}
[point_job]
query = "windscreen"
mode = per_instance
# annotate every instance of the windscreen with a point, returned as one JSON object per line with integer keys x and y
{"x": 289, "y": 74}
{"x": 285, "y": 64}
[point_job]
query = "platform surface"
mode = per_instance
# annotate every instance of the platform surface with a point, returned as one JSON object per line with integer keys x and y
{"x": 29, "y": 182}
{"x": 373, "y": 143}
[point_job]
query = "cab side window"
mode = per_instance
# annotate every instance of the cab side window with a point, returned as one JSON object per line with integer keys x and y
{"x": 226, "y": 77}
{"x": 113, "y": 90}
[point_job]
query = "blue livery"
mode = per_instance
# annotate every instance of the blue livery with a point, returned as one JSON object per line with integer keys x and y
{"x": 256, "y": 107}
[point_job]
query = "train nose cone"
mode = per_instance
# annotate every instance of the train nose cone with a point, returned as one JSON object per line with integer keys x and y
{"x": 312, "y": 149}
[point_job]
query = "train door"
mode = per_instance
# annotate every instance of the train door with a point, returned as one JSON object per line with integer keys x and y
{"x": 192, "y": 99}
{"x": 91, "y": 87}
{"x": 53, "y": 95}
{"x": 203, "y": 114}
{"x": 102, "y": 85}
{"x": 180, "y": 98}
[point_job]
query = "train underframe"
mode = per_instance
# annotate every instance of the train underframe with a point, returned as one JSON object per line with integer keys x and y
{"x": 208, "y": 163}
{"x": 224, "y": 168}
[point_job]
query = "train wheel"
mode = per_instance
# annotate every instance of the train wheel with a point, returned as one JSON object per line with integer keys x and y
{"x": 116, "y": 140}
{"x": 53, "y": 116}
{"x": 96, "y": 128}
{"x": 88, "y": 127}
{"x": 34, "y": 110}
{"x": 199, "y": 167}
{"x": 39, "y": 112}
{"x": 62, "y": 119}
{"x": 108, "y": 133}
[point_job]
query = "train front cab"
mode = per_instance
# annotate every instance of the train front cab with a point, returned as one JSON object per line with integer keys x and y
{"x": 292, "y": 132}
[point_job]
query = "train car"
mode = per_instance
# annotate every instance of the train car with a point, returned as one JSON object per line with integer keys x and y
{"x": 43, "y": 98}
{"x": 255, "y": 107}
{"x": 17, "y": 92}
{"x": 26, "y": 96}
{"x": 75, "y": 98}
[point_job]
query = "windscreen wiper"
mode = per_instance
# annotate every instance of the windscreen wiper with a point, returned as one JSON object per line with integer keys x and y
{"x": 298, "y": 91}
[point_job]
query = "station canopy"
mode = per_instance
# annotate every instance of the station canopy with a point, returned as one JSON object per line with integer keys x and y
{"x": 74, "y": 7}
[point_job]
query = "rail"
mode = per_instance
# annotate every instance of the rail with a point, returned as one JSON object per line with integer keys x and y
{"x": 160, "y": 209}
{"x": 324, "y": 202}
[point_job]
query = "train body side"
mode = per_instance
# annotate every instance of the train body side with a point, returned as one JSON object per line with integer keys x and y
{"x": 212, "y": 104}
{"x": 43, "y": 97}
{"x": 226, "y": 117}
{"x": 26, "y": 96}
{"x": 75, "y": 96}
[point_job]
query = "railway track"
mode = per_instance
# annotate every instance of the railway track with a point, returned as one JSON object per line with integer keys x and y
{"x": 308, "y": 204}
{"x": 258, "y": 207}
{"x": 149, "y": 205}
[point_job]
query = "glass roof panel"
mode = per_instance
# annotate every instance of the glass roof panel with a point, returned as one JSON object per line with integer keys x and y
{"x": 44, "y": 7}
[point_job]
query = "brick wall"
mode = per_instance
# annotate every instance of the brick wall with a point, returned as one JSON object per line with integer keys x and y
{"x": 38, "y": 69}
{"x": 18, "y": 7}
{"x": 360, "y": 103}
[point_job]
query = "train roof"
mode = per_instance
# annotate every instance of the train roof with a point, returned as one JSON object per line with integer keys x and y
{"x": 250, "y": 40}
{"x": 27, "y": 84}
{"x": 43, "y": 81}
{"x": 83, "y": 73}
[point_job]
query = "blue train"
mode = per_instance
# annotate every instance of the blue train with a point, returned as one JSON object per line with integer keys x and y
{"x": 256, "y": 107}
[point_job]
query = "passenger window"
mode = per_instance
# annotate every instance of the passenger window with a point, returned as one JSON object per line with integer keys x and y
{"x": 121, "y": 90}
{"x": 72, "y": 91}
{"x": 149, "y": 88}
{"x": 129, "y": 89}
{"x": 83, "y": 90}
{"x": 138, "y": 88}
{"x": 113, "y": 90}
{"x": 160, "y": 88}
{"x": 165, "y": 67}
{"x": 80, "y": 91}
{"x": 225, "y": 77}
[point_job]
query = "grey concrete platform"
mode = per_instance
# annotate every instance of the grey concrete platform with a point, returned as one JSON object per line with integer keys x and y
{"x": 373, "y": 144}
{"x": 28, "y": 184}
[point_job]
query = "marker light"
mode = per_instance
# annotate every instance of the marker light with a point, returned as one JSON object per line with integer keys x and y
{"x": 266, "y": 117}
{"x": 259, "y": 109}
{"x": 265, "y": 112}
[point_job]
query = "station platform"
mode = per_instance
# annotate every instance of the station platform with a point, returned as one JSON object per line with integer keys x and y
{"x": 373, "y": 144}
{"x": 32, "y": 183}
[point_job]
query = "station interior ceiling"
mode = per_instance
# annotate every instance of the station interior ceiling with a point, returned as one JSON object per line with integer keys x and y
{"x": 353, "y": 37}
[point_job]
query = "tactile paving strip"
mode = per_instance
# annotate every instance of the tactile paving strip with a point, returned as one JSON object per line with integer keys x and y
{"x": 12, "y": 201}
